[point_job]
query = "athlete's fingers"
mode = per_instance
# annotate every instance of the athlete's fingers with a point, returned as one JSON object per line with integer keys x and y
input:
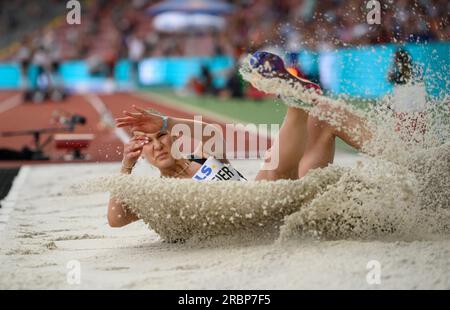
{"x": 138, "y": 138}
{"x": 138, "y": 146}
{"x": 133, "y": 114}
{"x": 131, "y": 120}
{"x": 133, "y": 155}
{"x": 141, "y": 130}
{"x": 121, "y": 125}
{"x": 122, "y": 119}
{"x": 140, "y": 134}
{"x": 126, "y": 119}
{"x": 125, "y": 123}
{"x": 141, "y": 110}
{"x": 134, "y": 147}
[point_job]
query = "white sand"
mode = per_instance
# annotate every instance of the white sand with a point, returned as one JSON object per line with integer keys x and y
{"x": 47, "y": 229}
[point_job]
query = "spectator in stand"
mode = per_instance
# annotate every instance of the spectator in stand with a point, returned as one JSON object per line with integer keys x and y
{"x": 234, "y": 86}
{"x": 402, "y": 70}
{"x": 136, "y": 51}
{"x": 206, "y": 79}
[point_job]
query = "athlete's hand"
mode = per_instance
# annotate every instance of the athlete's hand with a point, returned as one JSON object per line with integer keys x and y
{"x": 141, "y": 120}
{"x": 132, "y": 150}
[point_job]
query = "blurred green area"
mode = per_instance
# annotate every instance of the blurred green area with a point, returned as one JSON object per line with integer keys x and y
{"x": 265, "y": 111}
{"x": 268, "y": 111}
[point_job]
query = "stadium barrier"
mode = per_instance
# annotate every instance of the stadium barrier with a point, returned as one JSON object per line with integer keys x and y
{"x": 359, "y": 71}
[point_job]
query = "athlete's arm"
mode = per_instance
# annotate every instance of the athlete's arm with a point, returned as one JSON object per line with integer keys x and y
{"x": 145, "y": 121}
{"x": 117, "y": 217}
{"x": 117, "y": 212}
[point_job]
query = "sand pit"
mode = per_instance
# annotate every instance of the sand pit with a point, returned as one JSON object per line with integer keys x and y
{"x": 46, "y": 230}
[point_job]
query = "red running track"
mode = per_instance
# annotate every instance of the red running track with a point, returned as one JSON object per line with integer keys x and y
{"x": 106, "y": 146}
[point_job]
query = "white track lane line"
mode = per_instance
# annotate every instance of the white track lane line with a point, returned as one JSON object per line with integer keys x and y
{"x": 107, "y": 117}
{"x": 10, "y": 103}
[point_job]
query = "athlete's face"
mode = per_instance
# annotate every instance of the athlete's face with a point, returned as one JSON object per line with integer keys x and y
{"x": 158, "y": 150}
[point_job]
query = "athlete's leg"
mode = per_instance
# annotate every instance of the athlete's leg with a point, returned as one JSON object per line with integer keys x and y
{"x": 320, "y": 135}
{"x": 289, "y": 146}
{"x": 320, "y": 146}
{"x": 345, "y": 124}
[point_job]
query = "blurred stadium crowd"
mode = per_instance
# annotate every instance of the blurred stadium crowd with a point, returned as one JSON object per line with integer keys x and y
{"x": 113, "y": 29}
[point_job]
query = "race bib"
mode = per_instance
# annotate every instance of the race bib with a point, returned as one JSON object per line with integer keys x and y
{"x": 215, "y": 170}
